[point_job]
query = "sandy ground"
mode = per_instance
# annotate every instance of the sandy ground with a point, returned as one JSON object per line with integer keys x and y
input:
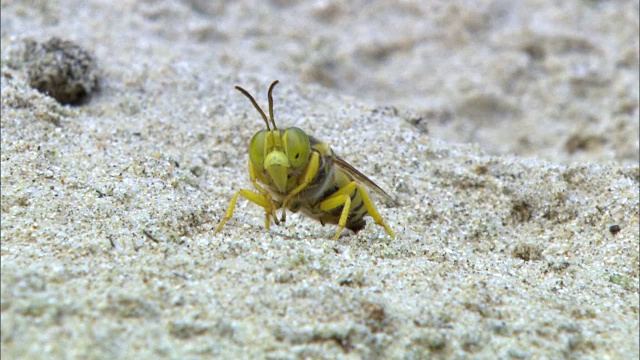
{"x": 506, "y": 131}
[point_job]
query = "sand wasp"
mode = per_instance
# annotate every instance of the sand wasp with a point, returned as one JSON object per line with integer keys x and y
{"x": 292, "y": 170}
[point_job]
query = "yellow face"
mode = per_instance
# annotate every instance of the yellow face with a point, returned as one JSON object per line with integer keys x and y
{"x": 280, "y": 153}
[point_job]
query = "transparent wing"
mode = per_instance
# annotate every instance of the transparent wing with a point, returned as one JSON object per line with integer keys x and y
{"x": 362, "y": 178}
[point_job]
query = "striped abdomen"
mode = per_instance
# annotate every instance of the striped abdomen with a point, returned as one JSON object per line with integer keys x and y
{"x": 327, "y": 181}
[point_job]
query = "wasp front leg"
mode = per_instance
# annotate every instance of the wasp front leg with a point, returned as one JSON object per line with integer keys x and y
{"x": 255, "y": 198}
{"x": 261, "y": 198}
{"x": 309, "y": 173}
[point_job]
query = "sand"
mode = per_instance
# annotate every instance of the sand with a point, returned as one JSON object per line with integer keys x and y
{"x": 506, "y": 132}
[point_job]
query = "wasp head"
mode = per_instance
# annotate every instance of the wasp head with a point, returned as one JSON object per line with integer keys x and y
{"x": 280, "y": 153}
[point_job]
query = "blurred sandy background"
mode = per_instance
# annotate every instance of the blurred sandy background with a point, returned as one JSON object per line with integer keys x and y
{"x": 507, "y": 131}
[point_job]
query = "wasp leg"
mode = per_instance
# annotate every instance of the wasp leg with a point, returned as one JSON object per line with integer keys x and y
{"x": 271, "y": 206}
{"x": 255, "y": 198}
{"x": 307, "y": 176}
{"x": 373, "y": 212}
{"x": 332, "y": 203}
{"x": 335, "y": 200}
{"x": 253, "y": 177}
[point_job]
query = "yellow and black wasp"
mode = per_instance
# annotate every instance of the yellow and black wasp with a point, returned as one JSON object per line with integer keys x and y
{"x": 295, "y": 171}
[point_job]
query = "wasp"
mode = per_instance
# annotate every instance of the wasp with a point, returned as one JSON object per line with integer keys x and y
{"x": 293, "y": 171}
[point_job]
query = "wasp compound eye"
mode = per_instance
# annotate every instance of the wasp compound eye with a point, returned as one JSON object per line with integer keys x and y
{"x": 296, "y": 146}
{"x": 257, "y": 150}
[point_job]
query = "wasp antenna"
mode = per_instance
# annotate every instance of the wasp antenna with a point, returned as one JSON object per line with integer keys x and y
{"x": 255, "y": 104}
{"x": 271, "y": 104}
